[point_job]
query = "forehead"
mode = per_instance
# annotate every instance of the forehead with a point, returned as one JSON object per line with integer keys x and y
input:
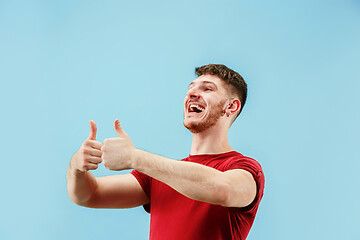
{"x": 208, "y": 79}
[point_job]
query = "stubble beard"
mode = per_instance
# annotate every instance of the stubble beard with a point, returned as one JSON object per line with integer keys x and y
{"x": 210, "y": 120}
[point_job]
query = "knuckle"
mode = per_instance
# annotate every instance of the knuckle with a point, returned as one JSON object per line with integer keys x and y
{"x": 82, "y": 150}
{"x": 85, "y": 166}
{"x": 82, "y": 157}
{"x": 106, "y": 165}
{"x": 95, "y": 167}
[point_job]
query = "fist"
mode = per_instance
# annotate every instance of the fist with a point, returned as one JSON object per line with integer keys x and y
{"x": 118, "y": 153}
{"x": 89, "y": 155}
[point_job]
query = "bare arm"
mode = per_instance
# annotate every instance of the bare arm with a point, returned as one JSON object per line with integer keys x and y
{"x": 118, "y": 191}
{"x": 233, "y": 188}
{"x": 122, "y": 191}
{"x": 80, "y": 184}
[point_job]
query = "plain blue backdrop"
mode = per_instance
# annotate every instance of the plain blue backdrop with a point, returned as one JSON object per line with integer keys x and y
{"x": 63, "y": 63}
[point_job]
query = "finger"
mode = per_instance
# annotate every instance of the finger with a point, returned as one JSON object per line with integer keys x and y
{"x": 120, "y": 132}
{"x": 91, "y": 166}
{"x": 95, "y": 144}
{"x": 95, "y": 153}
{"x": 94, "y": 160}
{"x": 93, "y": 129}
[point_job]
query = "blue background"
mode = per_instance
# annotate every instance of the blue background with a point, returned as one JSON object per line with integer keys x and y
{"x": 63, "y": 63}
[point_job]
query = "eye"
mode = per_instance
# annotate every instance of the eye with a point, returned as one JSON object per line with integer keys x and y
{"x": 208, "y": 89}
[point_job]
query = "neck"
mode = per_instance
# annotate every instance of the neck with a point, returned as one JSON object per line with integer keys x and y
{"x": 209, "y": 142}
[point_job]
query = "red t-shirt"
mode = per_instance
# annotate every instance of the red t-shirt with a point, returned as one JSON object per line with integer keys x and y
{"x": 175, "y": 216}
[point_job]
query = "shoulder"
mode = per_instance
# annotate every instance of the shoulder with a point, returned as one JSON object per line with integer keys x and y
{"x": 239, "y": 161}
{"x": 236, "y": 160}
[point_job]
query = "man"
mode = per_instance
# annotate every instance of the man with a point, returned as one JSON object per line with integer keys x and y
{"x": 214, "y": 193}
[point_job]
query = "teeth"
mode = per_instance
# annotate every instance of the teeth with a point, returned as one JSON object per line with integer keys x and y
{"x": 197, "y": 106}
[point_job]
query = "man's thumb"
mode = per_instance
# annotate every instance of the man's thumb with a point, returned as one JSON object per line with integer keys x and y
{"x": 120, "y": 132}
{"x": 93, "y": 129}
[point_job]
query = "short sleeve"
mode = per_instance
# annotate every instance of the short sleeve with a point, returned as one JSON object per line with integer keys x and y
{"x": 145, "y": 182}
{"x": 253, "y": 167}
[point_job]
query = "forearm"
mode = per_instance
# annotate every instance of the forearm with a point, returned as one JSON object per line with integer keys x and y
{"x": 193, "y": 180}
{"x": 80, "y": 184}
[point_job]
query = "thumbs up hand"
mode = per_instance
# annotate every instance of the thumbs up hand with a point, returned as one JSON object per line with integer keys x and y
{"x": 89, "y": 155}
{"x": 118, "y": 153}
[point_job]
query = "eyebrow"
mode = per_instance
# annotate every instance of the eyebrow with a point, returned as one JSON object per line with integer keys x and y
{"x": 204, "y": 82}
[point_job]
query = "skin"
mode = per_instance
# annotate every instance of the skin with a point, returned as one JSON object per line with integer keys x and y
{"x": 232, "y": 188}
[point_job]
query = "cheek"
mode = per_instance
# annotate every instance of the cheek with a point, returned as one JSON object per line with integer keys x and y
{"x": 185, "y": 100}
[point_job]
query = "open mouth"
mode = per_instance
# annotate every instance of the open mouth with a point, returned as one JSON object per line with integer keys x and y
{"x": 195, "y": 108}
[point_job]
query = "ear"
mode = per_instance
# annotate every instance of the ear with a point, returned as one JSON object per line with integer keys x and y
{"x": 233, "y": 107}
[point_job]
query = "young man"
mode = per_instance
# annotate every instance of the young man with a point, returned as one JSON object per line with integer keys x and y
{"x": 214, "y": 193}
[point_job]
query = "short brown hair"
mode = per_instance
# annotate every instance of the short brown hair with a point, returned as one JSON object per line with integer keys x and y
{"x": 229, "y": 76}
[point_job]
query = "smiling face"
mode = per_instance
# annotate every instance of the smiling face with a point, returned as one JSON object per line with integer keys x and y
{"x": 205, "y": 103}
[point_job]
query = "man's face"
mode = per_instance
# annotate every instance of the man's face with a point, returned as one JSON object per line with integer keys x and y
{"x": 204, "y": 103}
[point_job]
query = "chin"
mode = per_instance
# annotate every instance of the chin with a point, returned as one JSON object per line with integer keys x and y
{"x": 199, "y": 126}
{"x": 203, "y": 121}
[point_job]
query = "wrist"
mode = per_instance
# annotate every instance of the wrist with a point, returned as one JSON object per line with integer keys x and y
{"x": 136, "y": 159}
{"x": 74, "y": 164}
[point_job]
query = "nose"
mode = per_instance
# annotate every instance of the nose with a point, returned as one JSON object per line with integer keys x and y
{"x": 193, "y": 93}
